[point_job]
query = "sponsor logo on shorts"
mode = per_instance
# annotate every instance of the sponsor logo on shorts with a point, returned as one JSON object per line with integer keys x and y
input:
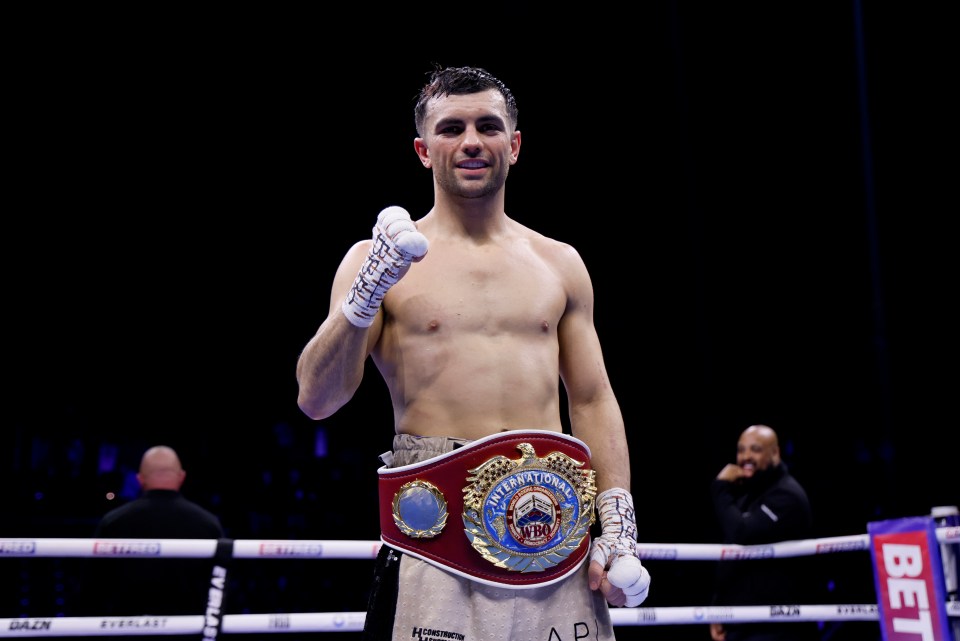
{"x": 431, "y": 634}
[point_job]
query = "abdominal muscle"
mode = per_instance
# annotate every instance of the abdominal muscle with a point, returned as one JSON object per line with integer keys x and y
{"x": 472, "y": 385}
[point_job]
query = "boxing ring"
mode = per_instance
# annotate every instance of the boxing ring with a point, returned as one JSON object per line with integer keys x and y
{"x": 213, "y": 623}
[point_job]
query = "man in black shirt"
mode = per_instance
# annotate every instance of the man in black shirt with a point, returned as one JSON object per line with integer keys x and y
{"x": 155, "y": 586}
{"x": 757, "y": 501}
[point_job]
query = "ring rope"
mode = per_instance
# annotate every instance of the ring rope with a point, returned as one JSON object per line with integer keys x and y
{"x": 353, "y": 621}
{"x": 345, "y": 549}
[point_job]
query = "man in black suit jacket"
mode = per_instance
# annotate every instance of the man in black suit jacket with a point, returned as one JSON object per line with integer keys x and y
{"x": 757, "y": 501}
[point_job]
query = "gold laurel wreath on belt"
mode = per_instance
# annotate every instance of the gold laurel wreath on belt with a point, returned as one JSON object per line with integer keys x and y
{"x": 420, "y": 493}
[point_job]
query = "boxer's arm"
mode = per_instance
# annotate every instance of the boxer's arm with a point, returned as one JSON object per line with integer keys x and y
{"x": 331, "y": 366}
{"x": 595, "y": 418}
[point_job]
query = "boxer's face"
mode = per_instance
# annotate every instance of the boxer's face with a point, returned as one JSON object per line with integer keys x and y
{"x": 469, "y": 143}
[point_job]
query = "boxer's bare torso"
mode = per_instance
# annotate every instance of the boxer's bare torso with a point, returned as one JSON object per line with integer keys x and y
{"x": 469, "y": 340}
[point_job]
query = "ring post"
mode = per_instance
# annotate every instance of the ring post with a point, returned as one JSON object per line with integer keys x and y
{"x": 911, "y": 593}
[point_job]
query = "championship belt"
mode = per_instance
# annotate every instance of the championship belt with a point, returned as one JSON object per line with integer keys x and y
{"x": 525, "y": 498}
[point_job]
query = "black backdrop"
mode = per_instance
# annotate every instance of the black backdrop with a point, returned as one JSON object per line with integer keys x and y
{"x": 760, "y": 193}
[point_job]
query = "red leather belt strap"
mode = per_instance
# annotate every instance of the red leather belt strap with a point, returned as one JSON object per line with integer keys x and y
{"x": 535, "y": 487}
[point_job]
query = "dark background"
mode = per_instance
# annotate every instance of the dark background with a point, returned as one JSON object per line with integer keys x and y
{"x": 760, "y": 192}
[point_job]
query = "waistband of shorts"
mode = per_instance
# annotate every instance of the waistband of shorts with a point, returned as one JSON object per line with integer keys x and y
{"x": 412, "y": 448}
{"x": 522, "y": 502}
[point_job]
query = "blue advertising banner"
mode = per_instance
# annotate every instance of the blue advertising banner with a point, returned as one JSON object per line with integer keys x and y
{"x": 907, "y": 568}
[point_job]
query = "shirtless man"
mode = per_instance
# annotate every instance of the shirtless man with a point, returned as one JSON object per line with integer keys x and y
{"x": 473, "y": 320}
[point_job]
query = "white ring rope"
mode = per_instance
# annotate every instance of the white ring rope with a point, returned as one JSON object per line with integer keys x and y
{"x": 337, "y": 549}
{"x": 353, "y": 621}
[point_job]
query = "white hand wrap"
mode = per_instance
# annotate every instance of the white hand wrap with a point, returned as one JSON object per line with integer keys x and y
{"x": 616, "y": 547}
{"x": 396, "y": 244}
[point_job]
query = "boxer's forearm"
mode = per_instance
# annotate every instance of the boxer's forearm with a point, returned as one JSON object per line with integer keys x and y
{"x": 600, "y": 426}
{"x": 331, "y": 367}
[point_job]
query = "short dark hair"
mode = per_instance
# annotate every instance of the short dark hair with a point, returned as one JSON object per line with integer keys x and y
{"x": 459, "y": 81}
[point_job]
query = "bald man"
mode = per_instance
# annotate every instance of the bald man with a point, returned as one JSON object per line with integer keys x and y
{"x": 156, "y": 586}
{"x": 160, "y": 469}
{"x": 757, "y": 501}
{"x": 758, "y": 449}
{"x": 161, "y": 511}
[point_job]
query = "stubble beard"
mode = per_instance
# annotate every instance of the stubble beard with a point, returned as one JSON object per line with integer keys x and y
{"x": 448, "y": 182}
